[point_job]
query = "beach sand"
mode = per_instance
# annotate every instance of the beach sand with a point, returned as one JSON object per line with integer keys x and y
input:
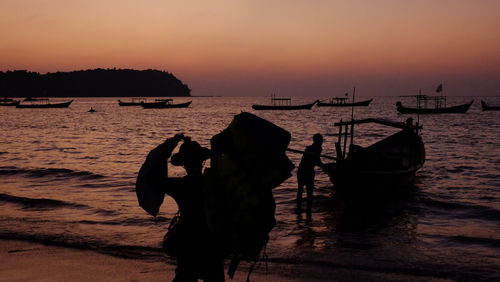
{"x": 24, "y": 261}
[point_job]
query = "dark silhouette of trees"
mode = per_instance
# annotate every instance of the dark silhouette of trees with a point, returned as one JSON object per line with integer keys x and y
{"x": 92, "y": 83}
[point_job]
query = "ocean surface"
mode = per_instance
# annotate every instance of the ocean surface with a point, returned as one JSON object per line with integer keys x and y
{"x": 67, "y": 178}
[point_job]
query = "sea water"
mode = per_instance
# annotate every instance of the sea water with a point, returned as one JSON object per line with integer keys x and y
{"x": 67, "y": 177}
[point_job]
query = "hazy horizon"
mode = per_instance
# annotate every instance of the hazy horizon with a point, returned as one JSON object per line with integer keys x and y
{"x": 256, "y": 48}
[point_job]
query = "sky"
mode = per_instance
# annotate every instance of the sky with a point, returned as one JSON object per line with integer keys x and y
{"x": 263, "y": 47}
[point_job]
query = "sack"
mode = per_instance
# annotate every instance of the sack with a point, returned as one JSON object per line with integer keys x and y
{"x": 173, "y": 237}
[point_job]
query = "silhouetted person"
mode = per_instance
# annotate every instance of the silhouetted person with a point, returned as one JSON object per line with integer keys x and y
{"x": 305, "y": 173}
{"x": 198, "y": 256}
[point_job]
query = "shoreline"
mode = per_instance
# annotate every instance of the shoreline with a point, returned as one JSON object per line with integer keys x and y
{"x": 27, "y": 261}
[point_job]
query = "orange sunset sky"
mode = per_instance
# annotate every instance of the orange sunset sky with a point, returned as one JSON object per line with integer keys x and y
{"x": 256, "y": 47}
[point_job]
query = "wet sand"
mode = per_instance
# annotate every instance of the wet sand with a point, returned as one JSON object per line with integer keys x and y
{"x": 24, "y": 261}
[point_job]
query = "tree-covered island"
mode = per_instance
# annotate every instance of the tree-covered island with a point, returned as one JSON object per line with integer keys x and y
{"x": 92, "y": 83}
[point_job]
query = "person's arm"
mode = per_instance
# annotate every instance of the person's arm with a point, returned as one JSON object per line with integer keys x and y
{"x": 152, "y": 176}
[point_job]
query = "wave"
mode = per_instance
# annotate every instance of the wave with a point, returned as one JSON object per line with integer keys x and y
{"x": 34, "y": 203}
{"x": 47, "y": 172}
{"x": 43, "y": 203}
{"x": 465, "y": 210}
{"x": 124, "y": 251}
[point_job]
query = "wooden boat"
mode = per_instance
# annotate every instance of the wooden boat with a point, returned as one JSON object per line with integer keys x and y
{"x": 8, "y": 102}
{"x": 486, "y": 107}
{"x": 384, "y": 167}
{"x": 134, "y": 102}
{"x": 44, "y": 104}
{"x": 283, "y": 104}
{"x": 165, "y": 104}
{"x": 342, "y": 102}
{"x": 439, "y": 103}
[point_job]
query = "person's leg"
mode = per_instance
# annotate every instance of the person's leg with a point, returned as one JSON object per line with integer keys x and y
{"x": 309, "y": 191}
{"x": 300, "y": 191}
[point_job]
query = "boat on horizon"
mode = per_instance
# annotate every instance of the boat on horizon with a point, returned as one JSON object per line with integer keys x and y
{"x": 8, "y": 102}
{"x": 427, "y": 104}
{"x": 387, "y": 166}
{"x": 342, "y": 102}
{"x": 133, "y": 102}
{"x": 283, "y": 104}
{"x": 486, "y": 107}
{"x": 44, "y": 103}
{"x": 165, "y": 104}
{"x": 439, "y": 106}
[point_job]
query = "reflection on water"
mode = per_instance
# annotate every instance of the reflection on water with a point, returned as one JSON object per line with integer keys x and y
{"x": 67, "y": 177}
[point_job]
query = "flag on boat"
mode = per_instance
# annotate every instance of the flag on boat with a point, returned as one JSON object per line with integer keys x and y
{"x": 439, "y": 88}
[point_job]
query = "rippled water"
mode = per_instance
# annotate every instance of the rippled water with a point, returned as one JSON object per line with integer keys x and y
{"x": 67, "y": 177}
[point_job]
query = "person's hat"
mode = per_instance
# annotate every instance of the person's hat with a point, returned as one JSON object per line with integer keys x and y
{"x": 190, "y": 151}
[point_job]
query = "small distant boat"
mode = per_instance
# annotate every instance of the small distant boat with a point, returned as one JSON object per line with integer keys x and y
{"x": 438, "y": 106}
{"x": 165, "y": 104}
{"x": 134, "y": 102}
{"x": 486, "y": 107}
{"x": 385, "y": 167}
{"x": 342, "y": 102}
{"x": 91, "y": 110}
{"x": 283, "y": 104}
{"x": 44, "y": 104}
{"x": 8, "y": 102}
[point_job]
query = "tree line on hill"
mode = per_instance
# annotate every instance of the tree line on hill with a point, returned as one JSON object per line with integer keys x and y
{"x": 92, "y": 83}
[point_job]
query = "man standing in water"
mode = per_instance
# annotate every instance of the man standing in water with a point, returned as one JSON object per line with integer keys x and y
{"x": 305, "y": 173}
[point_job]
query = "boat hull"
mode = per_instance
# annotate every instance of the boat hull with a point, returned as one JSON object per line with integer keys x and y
{"x": 385, "y": 167}
{"x": 356, "y": 104}
{"x": 485, "y": 107}
{"x": 165, "y": 105}
{"x": 128, "y": 104}
{"x": 45, "y": 106}
{"x": 460, "y": 109}
{"x": 282, "y": 107}
{"x": 9, "y": 103}
{"x": 352, "y": 182}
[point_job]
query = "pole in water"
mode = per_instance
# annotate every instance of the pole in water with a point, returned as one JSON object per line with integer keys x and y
{"x": 352, "y": 114}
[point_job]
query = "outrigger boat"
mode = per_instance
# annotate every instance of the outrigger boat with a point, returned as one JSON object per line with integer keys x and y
{"x": 134, "y": 102}
{"x": 384, "y": 167}
{"x": 342, "y": 102}
{"x": 44, "y": 103}
{"x": 486, "y": 107}
{"x": 439, "y": 103}
{"x": 165, "y": 104}
{"x": 283, "y": 104}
